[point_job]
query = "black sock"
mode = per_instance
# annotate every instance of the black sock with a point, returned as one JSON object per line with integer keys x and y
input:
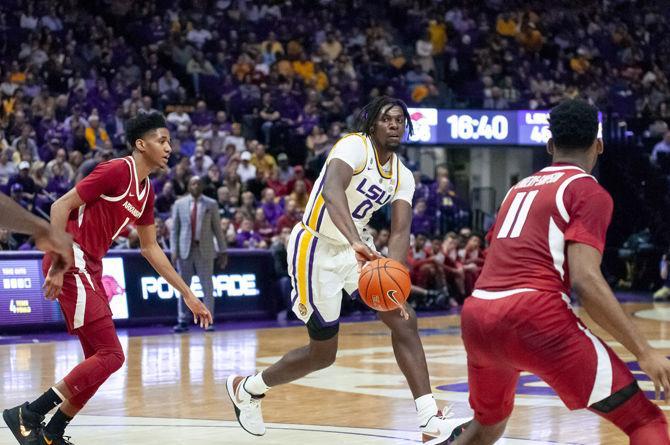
{"x": 58, "y": 423}
{"x": 45, "y": 403}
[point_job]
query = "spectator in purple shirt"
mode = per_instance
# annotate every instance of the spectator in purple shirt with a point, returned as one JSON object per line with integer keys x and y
{"x": 443, "y": 198}
{"x": 421, "y": 191}
{"x": 157, "y": 31}
{"x": 59, "y": 183}
{"x": 246, "y": 237}
{"x": 422, "y": 221}
{"x": 270, "y": 207}
{"x": 201, "y": 116}
{"x": 287, "y": 105}
{"x": 308, "y": 119}
{"x": 47, "y": 152}
{"x": 165, "y": 198}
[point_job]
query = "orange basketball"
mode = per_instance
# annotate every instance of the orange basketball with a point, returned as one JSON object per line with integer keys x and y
{"x": 384, "y": 284}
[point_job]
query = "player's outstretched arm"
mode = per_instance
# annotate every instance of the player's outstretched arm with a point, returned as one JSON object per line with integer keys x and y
{"x": 15, "y": 218}
{"x": 153, "y": 253}
{"x": 338, "y": 177}
{"x": 47, "y": 238}
{"x": 601, "y": 304}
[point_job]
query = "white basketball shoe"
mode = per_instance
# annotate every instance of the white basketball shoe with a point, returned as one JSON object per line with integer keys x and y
{"x": 247, "y": 406}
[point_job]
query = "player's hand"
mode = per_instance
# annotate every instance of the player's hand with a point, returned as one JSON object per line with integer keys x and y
{"x": 53, "y": 283}
{"x": 201, "y": 315}
{"x": 58, "y": 244}
{"x": 222, "y": 259}
{"x": 657, "y": 367}
{"x": 364, "y": 254}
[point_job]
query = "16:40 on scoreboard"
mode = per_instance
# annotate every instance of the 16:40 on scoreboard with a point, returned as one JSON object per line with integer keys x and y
{"x": 481, "y": 127}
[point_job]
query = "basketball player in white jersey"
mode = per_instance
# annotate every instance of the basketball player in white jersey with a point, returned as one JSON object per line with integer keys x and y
{"x": 326, "y": 252}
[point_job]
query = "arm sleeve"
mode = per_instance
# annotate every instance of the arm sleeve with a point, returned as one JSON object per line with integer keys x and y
{"x": 350, "y": 149}
{"x": 106, "y": 179}
{"x": 406, "y": 185}
{"x": 147, "y": 216}
{"x": 590, "y": 209}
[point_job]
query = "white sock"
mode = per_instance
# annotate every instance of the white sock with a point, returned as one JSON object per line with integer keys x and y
{"x": 255, "y": 385}
{"x": 426, "y": 407}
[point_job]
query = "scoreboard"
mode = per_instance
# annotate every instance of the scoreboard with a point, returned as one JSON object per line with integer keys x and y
{"x": 481, "y": 127}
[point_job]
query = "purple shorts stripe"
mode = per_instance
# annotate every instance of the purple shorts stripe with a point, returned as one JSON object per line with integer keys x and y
{"x": 321, "y": 213}
{"x": 311, "y": 292}
{"x": 295, "y": 255}
{"x": 309, "y": 271}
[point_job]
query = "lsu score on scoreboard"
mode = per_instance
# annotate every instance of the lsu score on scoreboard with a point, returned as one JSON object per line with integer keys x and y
{"x": 482, "y": 127}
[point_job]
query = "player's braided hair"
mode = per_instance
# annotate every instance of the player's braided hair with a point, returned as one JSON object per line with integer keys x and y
{"x": 142, "y": 124}
{"x": 365, "y": 120}
{"x": 573, "y": 124}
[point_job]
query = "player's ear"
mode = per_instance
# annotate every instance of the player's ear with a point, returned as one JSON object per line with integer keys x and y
{"x": 550, "y": 146}
{"x": 600, "y": 147}
{"x": 139, "y": 145}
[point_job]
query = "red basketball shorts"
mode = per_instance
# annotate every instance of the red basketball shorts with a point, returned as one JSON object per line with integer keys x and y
{"x": 82, "y": 299}
{"x": 539, "y": 333}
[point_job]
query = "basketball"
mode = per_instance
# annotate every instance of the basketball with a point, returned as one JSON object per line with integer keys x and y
{"x": 384, "y": 284}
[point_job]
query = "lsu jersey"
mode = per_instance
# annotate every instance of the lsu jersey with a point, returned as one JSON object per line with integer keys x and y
{"x": 372, "y": 186}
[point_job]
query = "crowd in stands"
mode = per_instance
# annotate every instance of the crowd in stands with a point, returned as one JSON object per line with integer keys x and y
{"x": 256, "y": 94}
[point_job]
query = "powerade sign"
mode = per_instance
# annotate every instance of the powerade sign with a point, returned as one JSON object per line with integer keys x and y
{"x": 481, "y": 127}
{"x": 246, "y": 285}
{"x": 235, "y": 285}
{"x": 134, "y": 289}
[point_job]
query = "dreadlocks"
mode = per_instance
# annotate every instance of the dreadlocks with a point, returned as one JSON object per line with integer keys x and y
{"x": 365, "y": 120}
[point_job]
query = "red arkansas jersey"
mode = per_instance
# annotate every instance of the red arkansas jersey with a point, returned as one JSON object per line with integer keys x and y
{"x": 538, "y": 217}
{"x": 113, "y": 197}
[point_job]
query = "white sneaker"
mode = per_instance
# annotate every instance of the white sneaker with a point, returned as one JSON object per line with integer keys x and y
{"x": 441, "y": 429}
{"x": 247, "y": 406}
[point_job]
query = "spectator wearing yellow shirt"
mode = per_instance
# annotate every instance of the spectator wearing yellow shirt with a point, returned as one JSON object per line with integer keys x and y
{"x": 17, "y": 75}
{"x": 284, "y": 68}
{"x": 398, "y": 59}
{"x": 320, "y": 80}
{"x": 264, "y": 163}
{"x": 96, "y": 135}
{"x": 579, "y": 63}
{"x": 506, "y": 25}
{"x": 331, "y": 47}
{"x": 304, "y": 67}
{"x": 243, "y": 66}
{"x": 274, "y": 46}
{"x": 530, "y": 38}
{"x": 437, "y": 30}
{"x": 438, "y": 35}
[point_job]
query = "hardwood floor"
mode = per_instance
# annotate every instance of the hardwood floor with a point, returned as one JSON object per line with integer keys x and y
{"x": 172, "y": 388}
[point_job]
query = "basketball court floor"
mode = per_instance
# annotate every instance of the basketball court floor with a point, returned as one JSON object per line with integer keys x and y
{"x": 171, "y": 390}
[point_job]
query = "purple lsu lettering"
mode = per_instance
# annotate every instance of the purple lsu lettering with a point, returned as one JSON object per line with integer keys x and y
{"x": 373, "y": 193}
